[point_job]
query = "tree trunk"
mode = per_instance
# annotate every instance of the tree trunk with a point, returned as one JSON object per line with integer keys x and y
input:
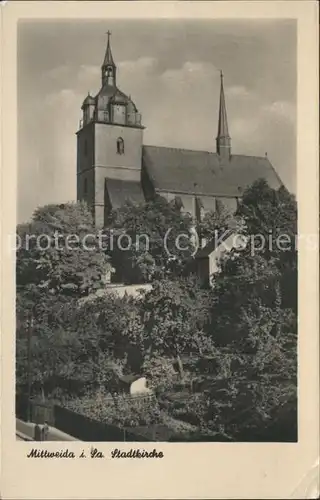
{"x": 180, "y": 366}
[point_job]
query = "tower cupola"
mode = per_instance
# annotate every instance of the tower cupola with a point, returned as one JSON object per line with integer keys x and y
{"x": 108, "y": 68}
{"x": 88, "y": 109}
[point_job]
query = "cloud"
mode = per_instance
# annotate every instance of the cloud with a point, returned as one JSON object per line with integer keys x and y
{"x": 281, "y": 109}
{"x": 239, "y": 92}
{"x": 61, "y": 99}
{"x": 176, "y": 90}
{"x": 142, "y": 64}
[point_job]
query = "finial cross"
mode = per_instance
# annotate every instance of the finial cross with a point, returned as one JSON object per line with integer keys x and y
{"x": 108, "y": 33}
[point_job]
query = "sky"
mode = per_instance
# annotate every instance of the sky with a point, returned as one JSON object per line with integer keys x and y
{"x": 171, "y": 70}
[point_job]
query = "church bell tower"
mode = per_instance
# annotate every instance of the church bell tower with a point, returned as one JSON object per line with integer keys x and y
{"x": 109, "y": 142}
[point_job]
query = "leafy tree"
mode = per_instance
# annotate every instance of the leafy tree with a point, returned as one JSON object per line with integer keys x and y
{"x": 271, "y": 219}
{"x": 253, "y": 323}
{"x": 215, "y": 222}
{"x": 160, "y": 373}
{"x": 153, "y": 228}
{"x": 269, "y": 212}
{"x": 46, "y": 320}
{"x": 112, "y": 325}
{"x": 58, "y": 261}
{"x": 77, "y": 346}
{"x": 59, "y": 251}
{"x": 174, "y": 314}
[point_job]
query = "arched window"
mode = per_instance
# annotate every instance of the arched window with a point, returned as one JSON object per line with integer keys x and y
{"x": 85, "y": 148}
{"x": 120, "y": 146}
{"x": 85, "y": 186}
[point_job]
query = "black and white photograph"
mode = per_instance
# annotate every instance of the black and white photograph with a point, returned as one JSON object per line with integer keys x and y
{"x": 160, "y": 261}
{"x": 156, "y": 271}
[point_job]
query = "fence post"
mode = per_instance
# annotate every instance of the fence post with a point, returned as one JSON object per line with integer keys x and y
{"x": 29, "y": 418}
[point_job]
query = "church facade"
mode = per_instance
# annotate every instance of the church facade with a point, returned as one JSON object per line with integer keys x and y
{"x": 113, "y": 164}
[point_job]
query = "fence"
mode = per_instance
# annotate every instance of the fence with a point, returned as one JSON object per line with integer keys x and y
{"x": 282, "y": 427}
{"x": 87, "y": 429}
{"x": 39, "y": 411}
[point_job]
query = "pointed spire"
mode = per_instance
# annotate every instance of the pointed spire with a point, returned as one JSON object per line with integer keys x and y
{"x": 223, "y": 139}
{"x": 108, "y": 59}
{"x": 108, "y": 67}
{"x": 223, "y": 121}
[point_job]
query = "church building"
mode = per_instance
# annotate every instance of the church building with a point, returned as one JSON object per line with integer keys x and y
{"x": 113, "y": 164}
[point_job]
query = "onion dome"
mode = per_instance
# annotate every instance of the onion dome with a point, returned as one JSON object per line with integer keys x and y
{"x": 119, "y": 98}
{"x": 89, "y": 101}
{"x": 131, "y": 107}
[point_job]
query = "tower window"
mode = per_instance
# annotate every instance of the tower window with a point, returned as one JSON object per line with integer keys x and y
{"x": 85, "y": 186}
{"x": 85, "y": 148}
{"x": 120, "y": 146}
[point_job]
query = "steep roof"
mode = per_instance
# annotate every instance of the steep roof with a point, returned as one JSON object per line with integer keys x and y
{"x": 121, "y": 191}
{"x": 88, "y": 100}
{"x": 223, "y": 121}
{"x": 202, "y": 172}
{"x": 108, "y": 59}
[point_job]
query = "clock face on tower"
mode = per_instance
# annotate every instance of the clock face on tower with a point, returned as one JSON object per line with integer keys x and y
{"x": 119, "y": 113}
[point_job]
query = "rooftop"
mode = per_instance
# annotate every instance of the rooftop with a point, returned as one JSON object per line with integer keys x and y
{"x": 205, "y": 173}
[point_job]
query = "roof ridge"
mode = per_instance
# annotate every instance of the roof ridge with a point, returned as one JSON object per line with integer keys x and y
{"x": 205, "y": 151}
{"x": 251, "y": 156}
{"x": 180, "y": 149}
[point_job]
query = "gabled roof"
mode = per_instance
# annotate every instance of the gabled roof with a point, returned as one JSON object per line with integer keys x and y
{"x": 214, "y": 244}
{"x": 121, "y": 191}
{"x": 202, "y": 172}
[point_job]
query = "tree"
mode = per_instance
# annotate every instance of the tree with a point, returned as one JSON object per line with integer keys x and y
{"x": 174, "y": 314}
{"x": 215, "y": 222}
{"x": 58, "y": 260}
{"x": 269, "y": 212}
{"x": 47, "y": 320}
{"x": 156, "y": 230}
{"x": 253, "y": 323}
{"x": 59, "y": 251}
{"x": 110, "y": 325}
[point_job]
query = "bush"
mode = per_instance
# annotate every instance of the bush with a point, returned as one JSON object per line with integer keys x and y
{"x": 160, "y": 373}
{"x": 125, "y": 411}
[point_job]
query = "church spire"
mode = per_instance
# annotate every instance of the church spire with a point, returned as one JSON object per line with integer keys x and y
{"x": 223, "y": 139}
{"x": 108, "y": 68}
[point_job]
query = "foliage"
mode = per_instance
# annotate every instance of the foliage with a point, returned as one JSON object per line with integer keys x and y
{"x": 271, "y": 219}
{"x": 76, "y": 346}
{"x": 159, "y": 372}
{"x": 253, "y": 323}
{"x": 59, "y": 251}
{"x": 215, "y": 222}
{"x": 174, "y": 313}
{"x": 121, "y": 410}
{"x": 153, "y": 228}
{"x": 223, "y": 361}
{"x": 46, "y": 319}
{"x": 268, "y": 211}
